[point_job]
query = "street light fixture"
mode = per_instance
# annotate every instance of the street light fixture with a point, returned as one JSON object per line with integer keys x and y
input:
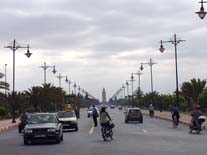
{"x": 15, "y": 47}
{"x": 150, "y": 63}
{"x": 201, "y": 13}
{"x": 60, "y": 78}
{"x": 175, "y": 42}
{"x": 45, "y": 67}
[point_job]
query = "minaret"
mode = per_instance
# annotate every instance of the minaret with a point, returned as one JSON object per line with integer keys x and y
{"x": 104, "y": 96}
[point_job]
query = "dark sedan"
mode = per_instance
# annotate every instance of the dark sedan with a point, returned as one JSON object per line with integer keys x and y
{"x": 43, "y": 127}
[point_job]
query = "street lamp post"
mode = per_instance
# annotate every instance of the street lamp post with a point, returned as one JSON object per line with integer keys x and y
{"x": 201, "y": 13}
{"x": 69, "y": 83}
{"x": 175, "y": 42}
{"x": 123, "y": 87}
{"x": 139, "y": 75}
{"x": 60, "y": 78}
{"x": 5, "y": 79}
{"x": 127, "y": 85}
{"x": 75, "y": 87}
{"x": 45, "y": 67}
{"x": 14, "y": 47}
{"x": 150, "y": 63}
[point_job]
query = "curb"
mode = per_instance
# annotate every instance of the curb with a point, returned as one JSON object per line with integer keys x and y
{"x": 182, "y": 122}
{"x": 4, "y": 128}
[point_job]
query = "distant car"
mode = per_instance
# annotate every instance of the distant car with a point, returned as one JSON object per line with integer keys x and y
{"x": 112, "y": 106}
{"x": 120, "y": 107}
{"x": 43, "y": 127}
{"x": 68, "y": 119}
{"x": 133, "y": 114}
{"x": 90, "y": 111}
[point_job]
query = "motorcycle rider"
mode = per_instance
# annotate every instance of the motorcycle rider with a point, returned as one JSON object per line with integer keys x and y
{"x": 196, "y": 114}
{"x": 175, "y": 115}
{"x": 104, "y": 117}
{"x": 151, "y": 110}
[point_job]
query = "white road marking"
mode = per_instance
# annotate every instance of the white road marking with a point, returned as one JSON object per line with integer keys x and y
{"x": 145, "y": 131}
{"x": 91, "y": 130}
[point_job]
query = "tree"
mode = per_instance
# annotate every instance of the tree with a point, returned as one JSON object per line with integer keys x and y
{"x": 191, "y": 90}
{"x": 202, "y": 100}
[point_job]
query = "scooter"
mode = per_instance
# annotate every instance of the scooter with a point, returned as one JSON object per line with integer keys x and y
{"x": 197, "y": 125}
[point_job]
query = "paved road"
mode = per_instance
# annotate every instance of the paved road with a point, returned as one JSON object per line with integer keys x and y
{"x": 154, "y": 136}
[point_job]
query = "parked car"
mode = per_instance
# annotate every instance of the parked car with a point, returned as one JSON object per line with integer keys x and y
{"x": 43, "y": 127}
{"x": 133, "y": 114}
{"x": 112, "y": 106}
{"x": 68, "y": 119}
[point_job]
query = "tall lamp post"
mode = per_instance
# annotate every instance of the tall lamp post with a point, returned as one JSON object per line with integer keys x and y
{"x": 201, "y": 13}
{"x": 75, "y": 87}
{"x": 60, "y": 78}
{"x": 127, "y": 85}
{"x": 139, "y": 88}
{"x": 69, "y": 83}
{"x": 139, "y": 75}
{"x": 175, "y": 42}
{"x": 45, "y": 67}
{"x": 123, "y": 87}
{"x": 15, "y": 47}
{"x": 150, "y": 63}
{"x": 5, "y": 78}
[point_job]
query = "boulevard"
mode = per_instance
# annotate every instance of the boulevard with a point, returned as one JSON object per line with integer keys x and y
{"x": 154, "y": 136}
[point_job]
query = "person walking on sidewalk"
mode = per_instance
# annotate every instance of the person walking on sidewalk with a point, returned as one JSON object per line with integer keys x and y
{"x": 151, "y": 110}
{"x": 95, "y": 115}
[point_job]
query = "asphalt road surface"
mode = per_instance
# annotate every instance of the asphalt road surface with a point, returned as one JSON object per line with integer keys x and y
{"x": 153, "y": 137}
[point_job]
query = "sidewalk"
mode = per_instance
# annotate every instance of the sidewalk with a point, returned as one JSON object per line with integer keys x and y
{"x": 6, "y": 124}
{"x": 184, "y": 118}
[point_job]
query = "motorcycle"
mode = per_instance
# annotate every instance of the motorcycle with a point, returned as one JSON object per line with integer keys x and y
{"x": 107, "y": 131}
{"x": 197, "y": 125}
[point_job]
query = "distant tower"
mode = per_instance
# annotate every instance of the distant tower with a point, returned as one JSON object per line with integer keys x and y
{"x": 104, "y": 96}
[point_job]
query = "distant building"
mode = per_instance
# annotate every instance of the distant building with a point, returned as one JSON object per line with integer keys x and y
{"x": 104, "y": 96}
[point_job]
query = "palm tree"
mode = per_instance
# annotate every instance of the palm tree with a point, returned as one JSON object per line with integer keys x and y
{"x": 191, "y": 90}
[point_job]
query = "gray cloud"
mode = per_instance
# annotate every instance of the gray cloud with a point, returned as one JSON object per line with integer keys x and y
{"x": 103, "y": 41}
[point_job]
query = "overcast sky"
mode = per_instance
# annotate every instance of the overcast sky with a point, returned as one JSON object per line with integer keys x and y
{"x": 100, "y": 43}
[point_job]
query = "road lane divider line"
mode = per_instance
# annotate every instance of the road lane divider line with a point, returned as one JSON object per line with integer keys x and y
{"x": 91, "y": 130}
{"x": 144, "y": 130}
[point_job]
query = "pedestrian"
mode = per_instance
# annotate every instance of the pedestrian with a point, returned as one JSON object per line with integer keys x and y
{"x": 95, "y": 115}
{"x": 160, "y": 106}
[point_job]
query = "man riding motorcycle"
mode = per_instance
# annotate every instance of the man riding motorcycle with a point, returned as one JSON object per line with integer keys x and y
{"x": 196, "y": 114}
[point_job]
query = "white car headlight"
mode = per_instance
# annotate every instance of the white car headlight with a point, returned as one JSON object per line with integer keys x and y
{"x": 28, "y": 131}
{"x": 51, "y": 130}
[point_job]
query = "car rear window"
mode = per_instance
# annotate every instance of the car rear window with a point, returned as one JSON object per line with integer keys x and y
{"x": 134, "y": 111}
